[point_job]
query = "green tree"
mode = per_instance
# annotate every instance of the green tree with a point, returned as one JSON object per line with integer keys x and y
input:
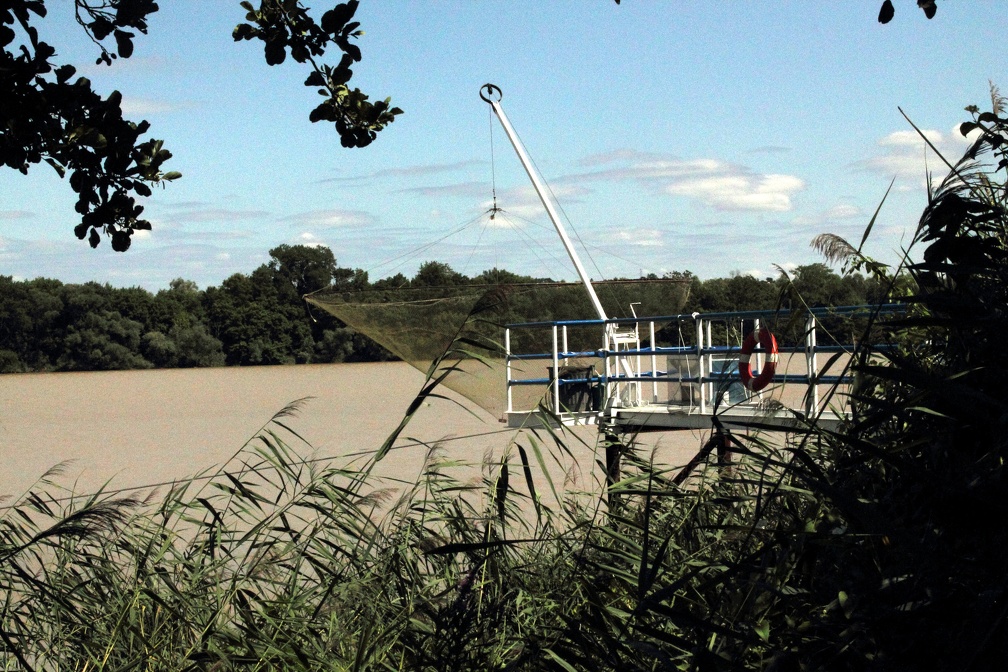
{"x": 29, "y": 322}
{"x": 159, "y": 350}
{"x": 246, "y": 315}
{"x": 196, "y": 347}
{"x": 102, "y": 341}
{"x": 397, "y": 281}
{"x": 304, "y": 268}
{"x": 437, "y": 274}
{"x": 47, "y": 114}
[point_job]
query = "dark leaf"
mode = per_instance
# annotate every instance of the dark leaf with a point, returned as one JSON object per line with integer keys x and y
{"x": 352, "y": 50}
{"x": 243, "y": 31}
{"x": 299, "y": 52}
{"x": 276, "y": 52}
{"x": 120, "y": 240}
{"x": 64, "y": 73}
{"x": 124, "y": 43}
{"x": 94, "y": 238}
{"x": 337, "y": 17}
{"x": 101, "y": 27}
{"x": 887, "y": 12}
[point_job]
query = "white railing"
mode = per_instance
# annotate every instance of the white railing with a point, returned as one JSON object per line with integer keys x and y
{"x": 699, "y": 353}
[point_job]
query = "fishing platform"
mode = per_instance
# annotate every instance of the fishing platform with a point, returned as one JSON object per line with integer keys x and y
{"x": 633, "y": 383}
{"x": 682, "y": 372}
{"x": 627, "y": 374}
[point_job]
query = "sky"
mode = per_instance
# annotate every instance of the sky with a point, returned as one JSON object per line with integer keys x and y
{"x": 714, "y": 137}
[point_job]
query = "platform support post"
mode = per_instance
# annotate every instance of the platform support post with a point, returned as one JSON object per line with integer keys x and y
{"x": 614, "y": 449}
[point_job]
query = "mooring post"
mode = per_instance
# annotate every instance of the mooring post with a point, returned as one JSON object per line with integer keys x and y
{"x": 723, "y": 442}
{"x": 613, "y": 453}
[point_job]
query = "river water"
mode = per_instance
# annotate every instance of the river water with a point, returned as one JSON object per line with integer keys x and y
{"x": 133, "y": 428}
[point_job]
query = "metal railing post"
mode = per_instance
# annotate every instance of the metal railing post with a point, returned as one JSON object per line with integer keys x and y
{"x": 812, "y": 368}
{"x": 710, "y": 359}
{"x": 507, "y": 368}
{"x": 654, "y": 365}
{"x": 610, "y": 391}
{"x": 556, "y": 374}
{"x": 701, "y": 385}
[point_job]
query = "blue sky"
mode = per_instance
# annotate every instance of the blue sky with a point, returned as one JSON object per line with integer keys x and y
{"x": 716, "y": 137}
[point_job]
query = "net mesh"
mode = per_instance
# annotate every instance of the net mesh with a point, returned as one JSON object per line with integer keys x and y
{"x": 420, "y": 324}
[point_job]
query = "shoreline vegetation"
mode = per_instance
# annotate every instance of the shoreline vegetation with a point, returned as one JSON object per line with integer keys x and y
{"x": 878, "y": 546}
{"x": 261, "y": 319}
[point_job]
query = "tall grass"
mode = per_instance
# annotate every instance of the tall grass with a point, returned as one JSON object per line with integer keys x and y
{"x": 876, "y": 546}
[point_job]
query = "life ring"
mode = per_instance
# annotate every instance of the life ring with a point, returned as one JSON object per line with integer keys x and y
{"x": 769, "y": 344}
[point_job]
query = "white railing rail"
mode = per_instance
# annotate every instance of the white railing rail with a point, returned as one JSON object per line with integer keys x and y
{"x": 700, "y": 370}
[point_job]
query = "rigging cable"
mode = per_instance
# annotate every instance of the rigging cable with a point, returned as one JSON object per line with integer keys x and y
{"x": 577, "y": 234}
{"x": 493, "y": 168}
{"x": 411, "y": 253}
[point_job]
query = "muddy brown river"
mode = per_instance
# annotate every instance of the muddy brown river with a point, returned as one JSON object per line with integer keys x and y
{"x": 133, "y": 428}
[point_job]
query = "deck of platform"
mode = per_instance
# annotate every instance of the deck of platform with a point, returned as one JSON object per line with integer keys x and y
{"x": 665, "y": 417}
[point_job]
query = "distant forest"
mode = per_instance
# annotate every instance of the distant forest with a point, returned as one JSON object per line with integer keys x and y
{"x": 260, "y": 318}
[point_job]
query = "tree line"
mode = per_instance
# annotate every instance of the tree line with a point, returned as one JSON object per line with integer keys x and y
{"x": 260, "y": 318}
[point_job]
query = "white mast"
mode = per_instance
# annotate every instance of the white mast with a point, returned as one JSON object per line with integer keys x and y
{"x": 489, "y": 96}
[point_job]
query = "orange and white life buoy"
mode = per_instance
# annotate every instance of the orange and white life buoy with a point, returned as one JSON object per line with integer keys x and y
{"x": 769, "y": 344}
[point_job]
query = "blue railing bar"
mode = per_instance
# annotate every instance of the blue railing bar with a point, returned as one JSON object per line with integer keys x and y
{"x": 560, "y": 323}
{"x": 672, "y": 350}
{"x": 688, "y": 350}
{"x": 822, "y": 311}
{"x": 832, "y": 380}
{"x": 887, "y": 308}
{"x": 530, "y": 381}
{"x": 679, "y": 350}
{"x": 560, "y": 355}
{"x": 692, "y": 380}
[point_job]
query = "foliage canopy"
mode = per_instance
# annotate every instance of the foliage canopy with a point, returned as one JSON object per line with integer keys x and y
{"x": 48, "y": 114}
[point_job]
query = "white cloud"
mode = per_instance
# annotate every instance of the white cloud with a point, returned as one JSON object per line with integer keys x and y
{"x": 910, "y": 138}
{"x": 407, "y": 171}
{"x": 330, "y": 219}
{"x": 523, "y": 202}
{"x": 641, "y": 238}
{"x": 739, "y": 191}
{"x": 907, "y": 156}
{"x": 719, "y": 184}
{"x": 142, "y": 107}
{"x": 205, "y": 212}
{"x": 843, "y": 211}
{"x": 309, "y": 239}
{"x": 463, "y": 189}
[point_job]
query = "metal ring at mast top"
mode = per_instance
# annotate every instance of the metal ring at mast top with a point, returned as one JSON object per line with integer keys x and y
{"x": 488, "y": 97}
